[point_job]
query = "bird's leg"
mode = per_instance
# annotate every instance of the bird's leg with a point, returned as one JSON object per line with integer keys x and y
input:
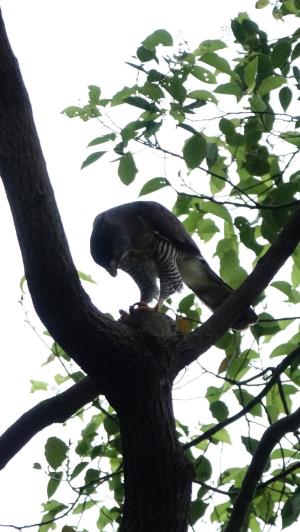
{"x": 142, "y": 305}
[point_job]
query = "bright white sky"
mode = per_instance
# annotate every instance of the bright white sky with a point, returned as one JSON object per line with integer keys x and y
{"x": 62, "y": 47}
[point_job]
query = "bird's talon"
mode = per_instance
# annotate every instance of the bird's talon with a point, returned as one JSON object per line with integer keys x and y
{"x": 123, "y": 314}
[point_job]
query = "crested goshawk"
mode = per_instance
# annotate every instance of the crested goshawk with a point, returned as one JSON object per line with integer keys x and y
{"x": 148, "y": 242}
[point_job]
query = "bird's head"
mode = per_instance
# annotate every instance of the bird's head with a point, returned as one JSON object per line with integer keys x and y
{"x": 109, "y": 244}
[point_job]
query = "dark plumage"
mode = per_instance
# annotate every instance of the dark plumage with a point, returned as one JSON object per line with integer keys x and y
{"x": 148, "y": 242}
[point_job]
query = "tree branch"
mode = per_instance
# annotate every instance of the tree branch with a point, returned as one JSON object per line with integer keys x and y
{"x": 94, "y": 341}
{"x": 287, "y": 361}
{"x": 57, "y": 409}
{"x": 197, "y": 342}
{"x": 269, "y": 439}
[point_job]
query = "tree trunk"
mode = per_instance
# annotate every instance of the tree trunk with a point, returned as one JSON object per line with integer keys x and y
{"x": 158, "y": 477}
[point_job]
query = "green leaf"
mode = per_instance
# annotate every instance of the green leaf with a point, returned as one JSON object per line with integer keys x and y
{"x": 292, "y": 137}
{"x": 73, "y": 111}
{"x": 216, "y": 209}
{"x": 82, "y": 506}
{"x": 152, "y": 91}
{"x": 219, "y": 410}
{"x": 270, "y": 83}
{"x": 285, "y": 97}
{"x": 203, "y": 95}
{"x": 111, "y": 425}
{"x": 194, "y": 151}
{"x": 127, "y": 169}
{"x": 78, "y": 469}
{"x": 282, "y": 349}
{"x": 94, "y": 94}
{"x": 130, "y": 130}
{"x": 101, "y": 140}
{"x": 280, "y": 53}
{"x": 107, "y": 517}
{"x": 213, "y": 394}
{"x": 91, "y": 478}
{"x": 233, "y": 473}
{"x": 186, "y": 303}
{"x": 221, "y": 436}
{"x": 256, "y": 161}
{"x": 247, "y": 234}
{"x": 196, "y": 510}
{"x": 229, "y": 88}
{"x": 296, "y": 52}
{"x": 144, "y": 55}
{"x": 250, "y": 443}
{"x": 175, "y": 87}
{"x": 38, "y": 385}
{"x": 267, "y": 326}
{"x": 244, "y": 398}
{"x": 206, "y": 229}
{"x": 250, "y": 73}
{"x": 121, "y": 95}
{"x": 158, "y": 37}
{"x": 238, "y": 31}
{"x": 227, "y": 127}
{"x": 250, "y": 27}
{"x": 212, "y": 154}
{"x": 217, "y": 62}
{"x": 291, "y": 509}
{"x": 203, "y": 469}
{"x": 285, "y": 287}
{"x": 209, "y": 46}
{"x": 141, "y": 103}
{"x": 53, "y": 483}
{"x": 85, "y": 277}
{"x": 92, "y": 158}
{"x": 260, "y": 4}
{"x": 203, "y": 74}
{"x": 55, "y": 451}
{"x": 296, "y": 268}
{"x": 154, "y": 184}
{"x": 155, "y": 75}
{"x": 257, "y": 103}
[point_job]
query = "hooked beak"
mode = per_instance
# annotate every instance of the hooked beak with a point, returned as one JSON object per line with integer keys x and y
{"x": 112, "y": 268}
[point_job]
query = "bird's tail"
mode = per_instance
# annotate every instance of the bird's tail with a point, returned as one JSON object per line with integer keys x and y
{"x": 210, "y": 288}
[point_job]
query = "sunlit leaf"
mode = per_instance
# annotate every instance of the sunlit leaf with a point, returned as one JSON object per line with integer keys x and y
{"x": 210, "y": 45}
{"x": 217, "y": 62}
{"x": 38, "y": 385}
{"x": 292, "y": 137}
{"x": 158, "y": 37}
{"x": 55, "y": 451}
{"x": 127, "y": 169}
{"x": 154, "y": 184}
{"x": 203, "y": 95}
{"x": 194, "y": 151}
{"x": 93, "y": 157}
{"x": 101, "y": 140}
{"x": 270, "y": 83}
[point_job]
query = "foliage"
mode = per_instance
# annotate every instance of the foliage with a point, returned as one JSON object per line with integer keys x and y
{"x": 225, "y": 115}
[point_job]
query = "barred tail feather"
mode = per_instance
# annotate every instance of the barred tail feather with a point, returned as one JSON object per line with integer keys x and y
{"x": 210, "y": 288}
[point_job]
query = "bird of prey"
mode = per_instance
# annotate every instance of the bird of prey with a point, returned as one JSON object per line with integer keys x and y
{"x": 147, "y": 241}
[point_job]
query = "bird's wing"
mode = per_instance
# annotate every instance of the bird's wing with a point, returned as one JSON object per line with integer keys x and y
{"x": 167, "y": 225}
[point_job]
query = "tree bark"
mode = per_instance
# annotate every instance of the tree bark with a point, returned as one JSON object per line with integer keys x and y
{"x": 157, "y": 474}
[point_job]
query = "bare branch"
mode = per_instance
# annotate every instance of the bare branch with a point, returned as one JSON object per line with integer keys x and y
{"x": 268, "y": 441}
